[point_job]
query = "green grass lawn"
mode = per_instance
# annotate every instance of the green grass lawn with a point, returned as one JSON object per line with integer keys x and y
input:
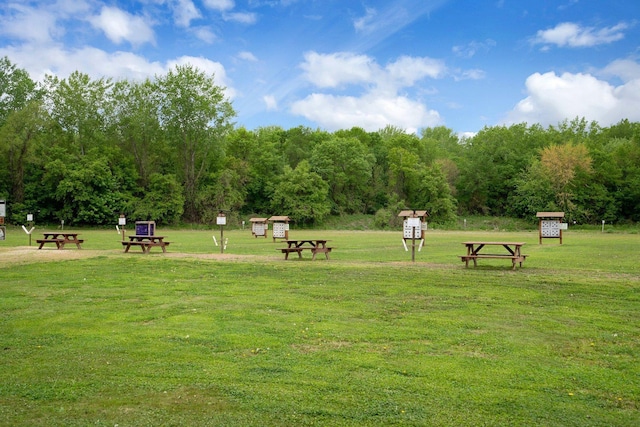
{"x": 367, "y": 338}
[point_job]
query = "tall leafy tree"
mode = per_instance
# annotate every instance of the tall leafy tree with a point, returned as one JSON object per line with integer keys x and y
{"x": 21, "y": 132}
{"x": 302, "y": 195}
{"x": 346, "y": 165}
{"x": 17, "y": 91}
{"x": 80, "y": 106}
{"x": 136, "y": 126}
{"x": 196, "y": 116}
{"x": 561, "y": 164}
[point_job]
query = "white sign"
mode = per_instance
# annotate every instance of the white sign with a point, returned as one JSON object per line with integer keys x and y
{"x": 122, "y": 221}
{"x": 29, "y": 217}
{"x": 3, "y": 211}
{"x": 563, "y": 226}
{"x": 221, "y": 220}
{"x": 413, "y": 222}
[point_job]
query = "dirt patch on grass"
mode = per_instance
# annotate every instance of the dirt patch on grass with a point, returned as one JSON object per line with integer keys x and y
{"x": 31, "y": 254}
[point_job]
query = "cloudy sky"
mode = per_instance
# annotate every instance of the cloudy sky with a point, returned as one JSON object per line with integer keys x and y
{"x": 335, "y": 64}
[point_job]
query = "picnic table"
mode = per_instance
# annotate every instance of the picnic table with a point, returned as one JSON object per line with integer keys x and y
{"x": 316, "y": 246}
{"x": 145, "y": 242}
{"x": 474, "y": 252}
{"x": 59, "y": 238}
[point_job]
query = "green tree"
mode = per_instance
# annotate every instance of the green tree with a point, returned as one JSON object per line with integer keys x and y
{"x": 196, "y": 117}
{"x": 80, "y": 107}
{"x": 88, "y": 194}
{"x": 21, "y": 132}
{"x": 561, "y": 164}
{"x": 346, "y": 165}
{"x": 162, "y": 202}
{"x": 302, "y": 195}
{"x": 136, "y": 126}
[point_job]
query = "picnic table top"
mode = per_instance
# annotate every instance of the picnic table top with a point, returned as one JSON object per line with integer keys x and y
{"x": 493, "y": 243}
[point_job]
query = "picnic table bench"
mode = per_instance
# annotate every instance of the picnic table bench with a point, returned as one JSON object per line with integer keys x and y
{"x": 513, "y": 252}
{"x": 59, "y": 238}
{"x": 145, "y": 242}
{"x": 316, "y": 246}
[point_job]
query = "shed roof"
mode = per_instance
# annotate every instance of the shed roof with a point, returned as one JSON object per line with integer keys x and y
{"x": 410, "y": 212}
{"x": 279, "y": 218}
{"x": 550, "y": 214}
{"x": 258, "y": 220}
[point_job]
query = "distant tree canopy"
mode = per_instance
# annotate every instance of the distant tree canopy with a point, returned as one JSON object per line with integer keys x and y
{"x": 86, "y": 150}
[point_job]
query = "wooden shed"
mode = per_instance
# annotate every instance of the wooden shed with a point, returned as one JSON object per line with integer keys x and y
{"x": 550, "y": 225}
{"x": 259, "y": 226}
{"x": 280, "y": 227}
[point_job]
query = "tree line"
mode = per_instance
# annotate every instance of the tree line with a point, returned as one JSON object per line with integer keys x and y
{"x": 87, "y": 150}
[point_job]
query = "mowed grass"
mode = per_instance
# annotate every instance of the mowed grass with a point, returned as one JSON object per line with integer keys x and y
{"x": 366, "y": 338}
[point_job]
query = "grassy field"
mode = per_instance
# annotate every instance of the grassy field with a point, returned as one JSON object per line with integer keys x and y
{"x": 198, "y": 338}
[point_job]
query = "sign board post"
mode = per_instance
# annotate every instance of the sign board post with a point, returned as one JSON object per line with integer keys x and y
{"x": 221, "y": 220}
{"x": 30, "y": 222}
{"x": 3, "y": 213}
{"x": 122, "y": 222}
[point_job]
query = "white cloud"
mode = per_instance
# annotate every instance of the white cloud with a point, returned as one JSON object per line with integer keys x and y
{"x": 337, "y": 69}
{"x": 569, "y": 34}
{"x": 121, "y": 26}
{"x": 553, "y": 98}
{"x": 42, "y": 24}
{"x": 270, "y": 102}
{"x": 371, "y": 112}
{"x": 366, "y": 22}
{"x": 205, "y": 34}
{"x": 184, "y": 12}
{"x": 247, "y": 56}
{"x": 470, "y": 49}
{"x": 380, "y": 104}
{"x": 626, "y": 69}
{"x": 407, "y": 70}
{"x": 221, "y": 5}
{"x": 241, "y": 17}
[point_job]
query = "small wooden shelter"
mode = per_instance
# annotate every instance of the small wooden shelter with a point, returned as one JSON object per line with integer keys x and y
{"x": 259, "y": 226}
{"x": 280, "y": 227}
{"x": 414, "y": 224}
{"x": 550, "y": 225}
{"x": 145, "y": 228}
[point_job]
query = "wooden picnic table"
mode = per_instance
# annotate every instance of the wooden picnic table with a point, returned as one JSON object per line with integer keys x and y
{"x": 59, "y": 238}
{"x": 474, "y": 249}
{"x": 145, "y": 242}
{"x": 316, "y": 246}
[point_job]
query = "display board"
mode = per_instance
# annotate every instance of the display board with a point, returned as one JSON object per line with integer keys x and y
{"x": 280, "y": 230}
{"x": 410, "y": 226}
{"x": 259, "y": 228}
{"x": 550, "y": 228}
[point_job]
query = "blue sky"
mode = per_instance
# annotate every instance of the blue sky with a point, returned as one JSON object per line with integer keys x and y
{"x": 335, "y": 64}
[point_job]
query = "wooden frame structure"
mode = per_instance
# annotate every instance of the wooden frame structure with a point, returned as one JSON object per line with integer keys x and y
{"x": 280, "y": 227}
{"x": 259, "y": 227}
{"x": 550, "y": 225}
{"x": 410, "y": 231}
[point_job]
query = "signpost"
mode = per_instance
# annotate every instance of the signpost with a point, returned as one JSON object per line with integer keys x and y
{"x": 3, "y": 213}
{"x": 221, "y": 220}
{"x": 122, "y": 222}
